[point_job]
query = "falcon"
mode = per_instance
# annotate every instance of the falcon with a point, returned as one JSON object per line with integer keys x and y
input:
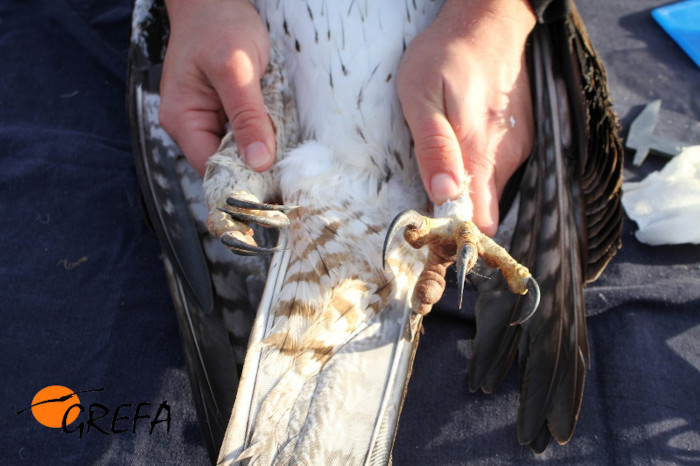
{"x": 313, "y": 246}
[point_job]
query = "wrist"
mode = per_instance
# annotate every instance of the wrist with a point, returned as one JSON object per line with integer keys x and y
{"x": 504, "y": 22}
{"x": 184, "y": 9}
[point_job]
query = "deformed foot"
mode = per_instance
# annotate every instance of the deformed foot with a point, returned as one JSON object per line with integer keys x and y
{"x": 460, "y": 242}
{"x": 229, "y": 222}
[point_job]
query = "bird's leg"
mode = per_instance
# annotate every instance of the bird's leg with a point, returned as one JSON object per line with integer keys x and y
{"x": 233, "y": 193}
{"x": 230, "y": 222}
{"x": 233, "y": 190}
{"x": 458, "y": 241}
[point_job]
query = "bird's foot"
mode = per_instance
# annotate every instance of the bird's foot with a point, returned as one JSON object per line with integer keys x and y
{"x": 230, "y": 221}
{"x": 452, "y": 240}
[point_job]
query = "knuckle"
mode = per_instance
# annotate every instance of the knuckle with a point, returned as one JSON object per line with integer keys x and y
{"x": 235, "y": 64}
{"x": 473, "y": 144}
{"x": 246, "y": 118}
{"x": 436, "y": 146}
{"x": 480, "y": 163}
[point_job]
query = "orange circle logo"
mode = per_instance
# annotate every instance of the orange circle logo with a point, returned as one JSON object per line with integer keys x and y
{"x": 50, "y": 404}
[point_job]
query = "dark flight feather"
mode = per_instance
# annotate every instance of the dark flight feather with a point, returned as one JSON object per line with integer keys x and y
{"x": 569, "y": 227}
{"x": 214, "y": 322}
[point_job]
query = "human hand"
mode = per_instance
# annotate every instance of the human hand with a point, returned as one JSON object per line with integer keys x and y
{"x": 465, "y": 94}
{"x": 217, "y": 52}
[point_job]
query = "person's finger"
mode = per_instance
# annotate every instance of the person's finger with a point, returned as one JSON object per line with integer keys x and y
{"x": 199, "y": 136}
{"x": 483, "y": 192}
{"x": 436, "y": 147}
{"x": 238, "y": 86}
{"x": 476, "y": 145}
{"x": 438, "y": 156}
{"x": 192, "y": 118}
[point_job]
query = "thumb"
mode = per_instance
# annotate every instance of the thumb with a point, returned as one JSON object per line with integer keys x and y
{"x": 243, "y": 103}
{"x": 438, "y": 156}
{"x": 444, "y": 170}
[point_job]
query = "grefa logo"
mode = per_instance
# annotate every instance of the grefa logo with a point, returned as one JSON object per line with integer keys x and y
{"x": 57, "y": 407}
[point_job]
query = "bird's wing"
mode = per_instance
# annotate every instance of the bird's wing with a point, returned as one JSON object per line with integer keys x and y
{"x": 215, "y": 294}
{"x": 568, "y": 228}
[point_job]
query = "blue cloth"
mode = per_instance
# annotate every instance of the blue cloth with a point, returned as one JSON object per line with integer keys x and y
{"x": 682, "y": 22}
{"x": 85, "y": 302}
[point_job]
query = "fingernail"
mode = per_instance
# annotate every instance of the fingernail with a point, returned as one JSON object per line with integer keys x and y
{"x": 443, "y": 188}
{"x": 257, "y": 156}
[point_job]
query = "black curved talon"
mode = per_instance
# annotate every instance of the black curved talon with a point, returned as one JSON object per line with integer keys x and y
{"x": 466, "y": 258}
{"x": 279, "y": 222}
{"x": 244, "y": 249}
{"x": 532, "y": 301}
{"x": 243, "y": 204}
{"x": 406, "y": 218}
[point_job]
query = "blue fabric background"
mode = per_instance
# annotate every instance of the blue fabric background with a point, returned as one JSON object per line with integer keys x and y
{"x": 85, "y": 303}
